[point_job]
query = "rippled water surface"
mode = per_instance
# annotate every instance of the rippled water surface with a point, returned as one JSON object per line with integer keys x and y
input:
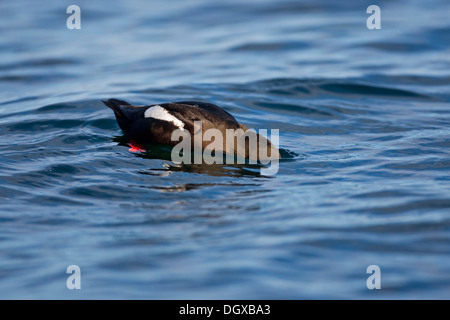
{"x": 364, "y": 129}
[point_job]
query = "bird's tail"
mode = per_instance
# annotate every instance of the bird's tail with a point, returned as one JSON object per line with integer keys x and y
{"x": 117, "y": 106}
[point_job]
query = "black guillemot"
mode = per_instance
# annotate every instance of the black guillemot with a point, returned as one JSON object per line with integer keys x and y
{"x": 155, "y": 124}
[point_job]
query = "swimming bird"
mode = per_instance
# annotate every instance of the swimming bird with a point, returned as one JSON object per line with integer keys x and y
{"x": 155, "y": 124}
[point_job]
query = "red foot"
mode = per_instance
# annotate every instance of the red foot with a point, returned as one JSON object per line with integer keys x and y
{"x": 134, "y": 147}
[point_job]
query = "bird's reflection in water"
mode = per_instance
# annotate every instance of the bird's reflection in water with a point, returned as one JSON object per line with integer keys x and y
{"x": 163, "y": 152}
{"x": 218, "y": 170}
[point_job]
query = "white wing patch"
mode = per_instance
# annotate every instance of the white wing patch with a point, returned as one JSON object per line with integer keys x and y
{"x": 158, "y": 112}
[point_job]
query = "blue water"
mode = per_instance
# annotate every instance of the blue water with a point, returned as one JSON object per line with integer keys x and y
{"x": 364, "y": 120}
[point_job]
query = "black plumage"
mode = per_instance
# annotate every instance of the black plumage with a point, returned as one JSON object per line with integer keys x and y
{"x": 147, "y": 130}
